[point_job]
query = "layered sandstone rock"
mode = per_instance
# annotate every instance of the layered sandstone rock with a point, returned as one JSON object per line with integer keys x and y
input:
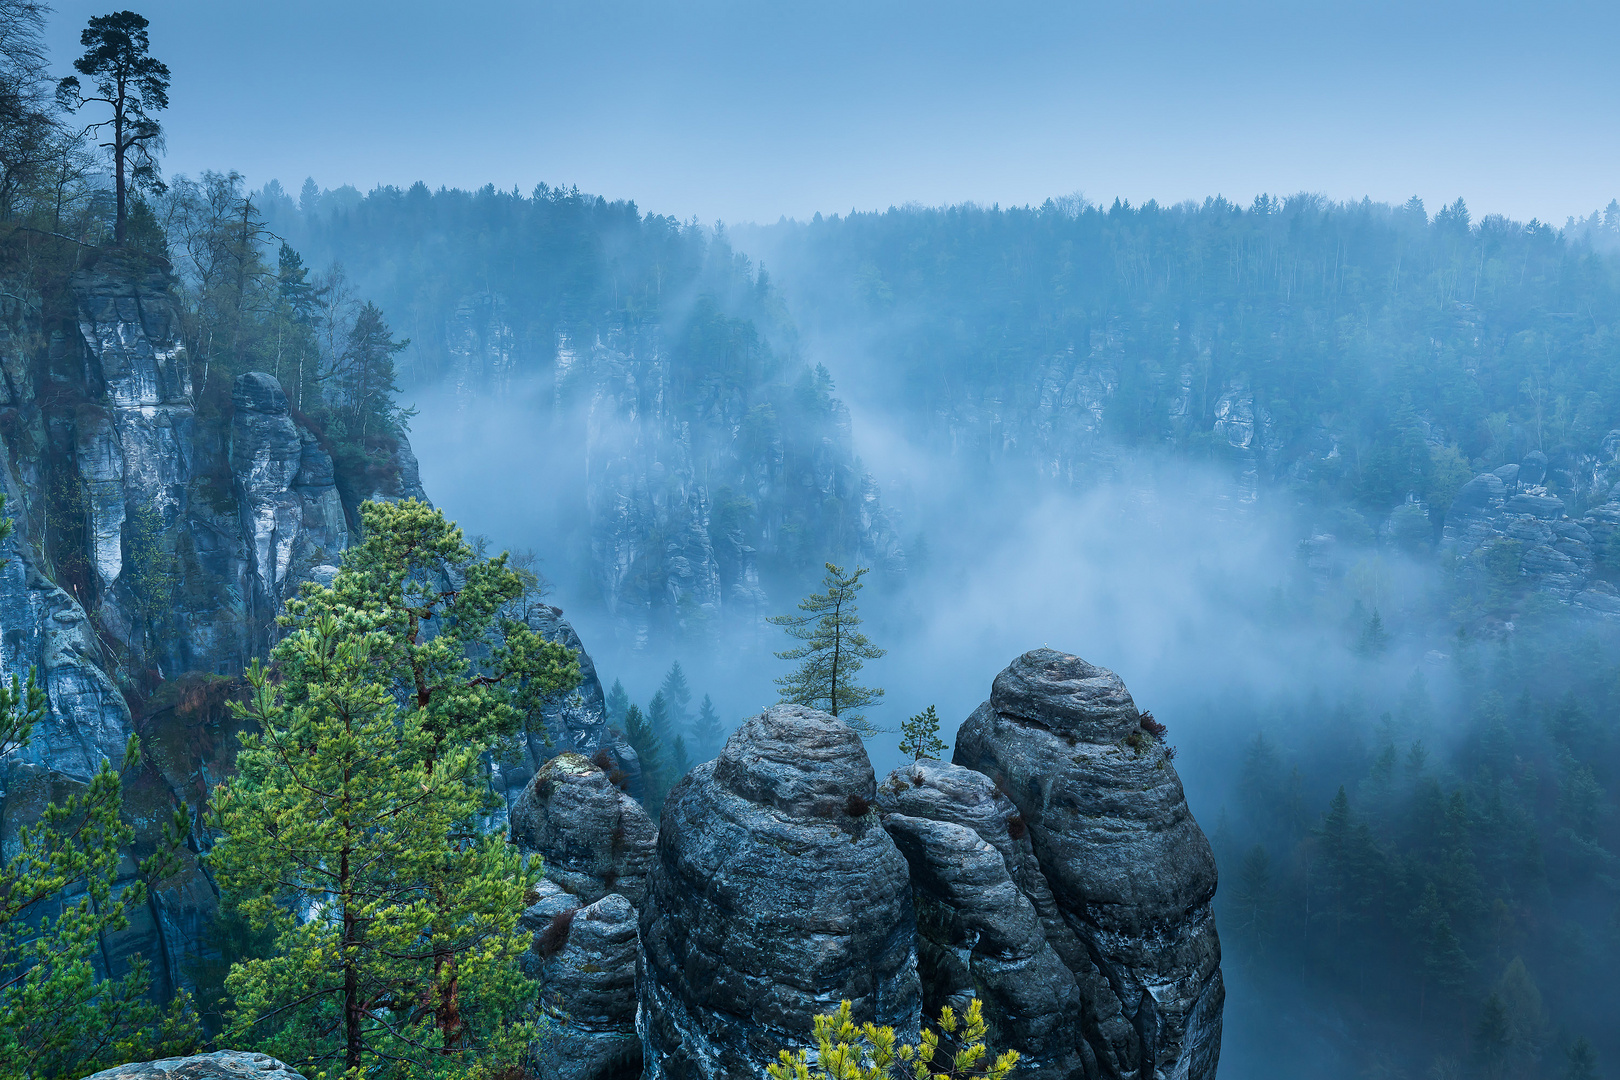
{"x": 1131, "y": 875}
{"x": 776, "y": 893}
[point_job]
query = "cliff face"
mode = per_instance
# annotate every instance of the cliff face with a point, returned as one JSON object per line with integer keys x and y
{"x": 154, "y": 543}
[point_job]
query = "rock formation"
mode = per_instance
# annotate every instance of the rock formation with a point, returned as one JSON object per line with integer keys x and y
{"x": 597, "y": 845}
{"x": 221, "y": 1065}
{"x": 1131, "y": 876}
{"x": 595, "y": 839}
{"x": 775, "y": 894}
{"x": 985, "y": 917}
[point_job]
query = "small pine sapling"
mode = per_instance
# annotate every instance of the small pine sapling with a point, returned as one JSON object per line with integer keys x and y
{"x": 919, "y": 736}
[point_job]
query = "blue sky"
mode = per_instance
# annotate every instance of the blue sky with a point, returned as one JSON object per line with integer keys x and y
{"x": 747, "y": 111}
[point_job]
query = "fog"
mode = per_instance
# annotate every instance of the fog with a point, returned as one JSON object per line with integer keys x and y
{"x": 1198, "y": 597}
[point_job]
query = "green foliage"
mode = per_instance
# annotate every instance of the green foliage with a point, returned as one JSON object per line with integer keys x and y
{"x": 833, "y": 652}
{"x": 154, "y": 571}
{"x": 618, "y": 703}
{"x": 354, "y": 828}
{"x": 919, "y": 736}
{"x": 952, "y": 1049}
{"x": 649, "y": 746}
{"x": 59, "y": 895}
{"x": 677, "y": 696}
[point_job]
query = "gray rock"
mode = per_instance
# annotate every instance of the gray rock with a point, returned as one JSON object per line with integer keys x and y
{"x": 1131, "y": 874}
{"x": 588, "y": 991}
{"x": 220, "y": 1065}
{"x": 979, "y": 934}
{"x": 776, "y": 893}
{"x": 595, "y": 839}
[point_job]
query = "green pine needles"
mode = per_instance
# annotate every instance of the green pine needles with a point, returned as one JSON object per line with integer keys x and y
{"x": 919, "y": 736}
{"x": 953, "y": 1049}
{"x": 833, "y": 652}
{"x": 354, "y": 828}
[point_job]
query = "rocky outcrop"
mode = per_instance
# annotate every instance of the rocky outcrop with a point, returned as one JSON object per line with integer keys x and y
{"x": 585, "y": 961}
{"x": 287, "y": 499}
{"x": 1130, "y": 874}
{"x": 593, "y": 837}
{"x": 985, "y": 916}
{"x": 596, "y": 844}
{"x": 159, "y": 527}
{"x": 775, "y": 894}
{"x": 221, "y": 1065}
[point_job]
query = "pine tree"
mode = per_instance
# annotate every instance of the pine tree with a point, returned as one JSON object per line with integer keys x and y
{"x": 1254, "y": 899}
{"x": 833, "y": 653}
{"x": 134, "y": 85}
{"x": 707, "y": 733}
{"x": 649, "y": 748}
{"x": 1374, "y": 638}
{"x": 919, "y": 736}
{"x": 359, "y": 800}
{"x": 618, "y": 703}
{"x": 59, "y": 1017}
{"x": 677, "y": 696}
{"x": 1582, "y": 1061}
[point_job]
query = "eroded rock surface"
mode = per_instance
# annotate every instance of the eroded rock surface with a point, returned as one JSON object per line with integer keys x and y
{"x": 585, "y": 959}
{"x": 1131, "y": 875}
{"x": 221, "y": 1065}
{"x": 594, "y": 838}
{"x": 979, "y": 932}
{"x": 775, "y": 894}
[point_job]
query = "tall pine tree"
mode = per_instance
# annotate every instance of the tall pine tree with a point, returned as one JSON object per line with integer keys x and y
{"x": 360, "y": 800}
{"x": 833, "y": 652}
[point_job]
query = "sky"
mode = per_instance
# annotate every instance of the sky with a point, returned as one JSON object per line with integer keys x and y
{"x": 739, "y": 111}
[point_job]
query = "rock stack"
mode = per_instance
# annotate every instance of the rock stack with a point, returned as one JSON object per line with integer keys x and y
{"x": 1130, "y": 874}
{"x": 1053, "y": 871}
{"x": 596, "y": 843}
{"x": 776, "y": 894}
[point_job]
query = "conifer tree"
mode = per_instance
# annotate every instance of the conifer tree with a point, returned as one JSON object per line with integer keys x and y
{"x": 833, "y": 652}
{"x": 359, "y": 800}
{"x": 919, "y": 736}
{"x": 677, "y": 696}
{"x": 134, "y": 85}
{"x": 707, "y": 733}
{"x": 649, "y": 748}
{"x": 618, "y": 703}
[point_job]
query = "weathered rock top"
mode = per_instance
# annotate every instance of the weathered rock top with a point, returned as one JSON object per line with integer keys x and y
{"x": 220, "y": 1065}
{"x": 799, "y": 761}
{"x": 1065, "y": 694}
{"x": 595, "y": 839}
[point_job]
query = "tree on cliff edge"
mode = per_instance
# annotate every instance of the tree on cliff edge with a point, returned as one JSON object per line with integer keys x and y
{"x": 134, "y": 84}
{"x": 833, "y": 652}
{"x": 355, "y": 828}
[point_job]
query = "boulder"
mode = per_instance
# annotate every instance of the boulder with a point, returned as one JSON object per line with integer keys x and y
{"x": 776, "y": 893}
{"x": 595, "y": 839}
{"x": 220, "y": 1065}
{"x": 1131, "y": 875}
{"x": 585, "y": 960}
{"x": 979, "y": 933}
